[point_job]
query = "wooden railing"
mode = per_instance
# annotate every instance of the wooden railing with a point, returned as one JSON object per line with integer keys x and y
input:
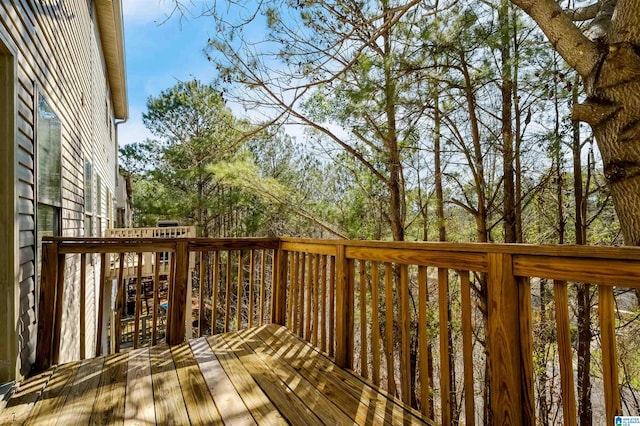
{"x": 171, "y": 298}
{"x": 420, "y": 320}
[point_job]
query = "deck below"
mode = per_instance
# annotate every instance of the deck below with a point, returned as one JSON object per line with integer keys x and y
{"x": 262, "y": 375}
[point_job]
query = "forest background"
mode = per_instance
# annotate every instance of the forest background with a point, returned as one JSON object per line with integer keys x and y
{"x": 420, "y": 120}
{"x": 413, "y": 142}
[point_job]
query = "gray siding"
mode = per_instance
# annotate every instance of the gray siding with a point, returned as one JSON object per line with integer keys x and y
{"x": 58, "y": 56}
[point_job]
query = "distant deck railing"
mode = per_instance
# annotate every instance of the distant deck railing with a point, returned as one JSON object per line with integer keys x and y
{"x": 149, "y": 262}
{"x": 378, "y": 308}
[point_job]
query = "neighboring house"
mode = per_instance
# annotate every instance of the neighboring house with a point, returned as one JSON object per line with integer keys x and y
{"x": 124, "y": 211}
{"x": 62, "y": 88}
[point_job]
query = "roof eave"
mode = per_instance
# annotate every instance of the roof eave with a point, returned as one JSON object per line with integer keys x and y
{"x": 110, "y": 26}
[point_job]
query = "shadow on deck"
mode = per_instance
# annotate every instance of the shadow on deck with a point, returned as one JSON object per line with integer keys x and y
{"x": 263, "y": 375}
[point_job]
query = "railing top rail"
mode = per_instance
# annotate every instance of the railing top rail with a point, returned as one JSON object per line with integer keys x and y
{"x": 573, "y": 251}
{"x": 123, "y": 244}
{"x": 71, "y": 245}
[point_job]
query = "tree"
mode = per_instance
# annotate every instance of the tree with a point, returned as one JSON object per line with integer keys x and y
{"x": 192, "y": 129}
{"x": 606, "y": 57}
{"x": 328, "y": 66}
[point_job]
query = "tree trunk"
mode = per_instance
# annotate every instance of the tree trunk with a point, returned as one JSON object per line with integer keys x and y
{"x": 610, "y": 68}
{"x": 517, "y": 131}
{"x": 437, "y": 161}
{"x": 482, "y": 231}
{"x": 509, "y": 215}
{"x": 478, "y": 169}
{"x": 583, "y": 291}
{"x": 613, "y": 111}
{"x": 395, "y": 182}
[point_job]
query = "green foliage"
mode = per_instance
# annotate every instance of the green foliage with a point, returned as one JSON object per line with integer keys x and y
{"x": 193, "y": 130}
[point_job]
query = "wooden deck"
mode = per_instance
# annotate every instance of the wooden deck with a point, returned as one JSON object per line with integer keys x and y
{"x": 262, "y": 375}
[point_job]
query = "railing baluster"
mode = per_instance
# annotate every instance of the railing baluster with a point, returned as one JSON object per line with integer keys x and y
{"x": 170, "y": 284}
{"x": 214, "y": 292}
{"x": 526, "y": 351}
{"x": 101, "y": 304}
{"x": 227, "y": 294}
{"x": 291, "y": 288}
{"x": 83, "y": 304}
{"x": 375, "y": 323}
{"x": 443, "y": 316}
{"x": 364, "y": 364}
{"x": 467, "y": 347}
{"x": 423, "y": 337}
{"x": 296, "y": 294}
{"x": 405, "y": 336}
{"x": 302, "y": 288}
{"x": 117, "y": 327}
{"x": 263, "y": 272}
{"x": 561, "y": 299}
{"x": 136, "y": 329}
{"x": 323, "y": 305}
{"x": 57, "y": 331}
{"x": 389, "y": 308}
{"x": 308, "y": 298}
{"x": 278, "y": 285}
{"x": 201, "y": 280}
{"x": 239, "y": 291}
{"x": 606, "y": 311}
{"x": 316, "y": 298}
{"x": 252, "y": 266}
{"x": 332, "y": 303}
{"x": 156, "y": 290}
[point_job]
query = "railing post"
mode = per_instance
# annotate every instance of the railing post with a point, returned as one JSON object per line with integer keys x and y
{"x": 503, "y": 341}
{"x": 344, "y": 308}
{"x": 176, "y": 329}
{"x": 47, "y": 305}
{"x": 279, "y": 286}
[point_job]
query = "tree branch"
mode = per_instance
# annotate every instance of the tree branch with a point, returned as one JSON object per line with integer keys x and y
{"x": 580, "y": 53}
{"x": 584, "y": 13}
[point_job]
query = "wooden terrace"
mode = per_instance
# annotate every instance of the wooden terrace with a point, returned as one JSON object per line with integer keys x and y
{"x": 262, "y": 375}
{"x": 321, "y": 331}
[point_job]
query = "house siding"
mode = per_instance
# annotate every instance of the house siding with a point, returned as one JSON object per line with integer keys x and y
{"x": 58, "y": 56}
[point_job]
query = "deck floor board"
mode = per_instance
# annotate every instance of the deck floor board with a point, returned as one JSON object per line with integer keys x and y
{"x": 294, "y": 409}
{"x": 48, "y": 407}
{"x": 263, "y": 375}
{"x": 24, "y": 399}
{"x": 79, "y": 403}
{"x": 224, "y": 394}
{"x": 139, "y": 408}
{"x": 169, "y": 403}
{"x": 319, "y": 403}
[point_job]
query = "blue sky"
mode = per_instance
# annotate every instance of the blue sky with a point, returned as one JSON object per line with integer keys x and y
{"x": 158, "y": 54}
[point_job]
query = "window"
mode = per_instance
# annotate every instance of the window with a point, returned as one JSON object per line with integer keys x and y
{"x": 49, "y": 155}
{"x": 98, "y": 212}
{"x": 88, "y": 186}
{"x": 49, "y": 175}
{"x": 109, "y": 209}
{"x": 98, "y": 195}
{"x": 48, "y": 222}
